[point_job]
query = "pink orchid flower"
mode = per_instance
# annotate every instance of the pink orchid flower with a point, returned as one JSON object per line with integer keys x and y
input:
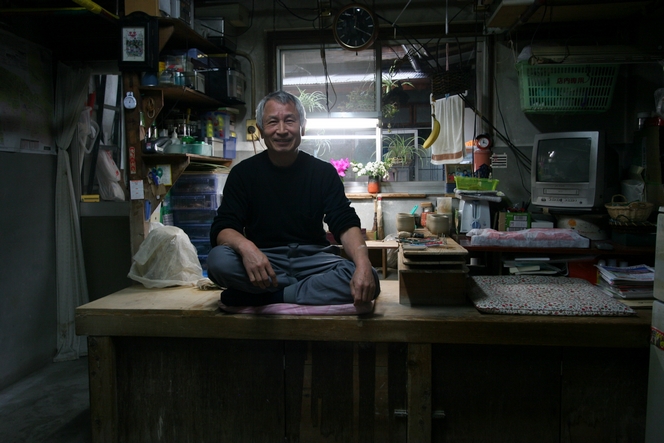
{"x": 340, "y": 165}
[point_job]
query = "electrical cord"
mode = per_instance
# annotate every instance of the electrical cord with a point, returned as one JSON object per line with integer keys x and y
{"x": 296, "y": 15}
{"x": 520, "y": 156}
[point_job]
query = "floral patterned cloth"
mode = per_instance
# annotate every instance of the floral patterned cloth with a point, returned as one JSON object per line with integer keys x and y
{"x": 529, "y": 238}
{"x": 542, "y": 295}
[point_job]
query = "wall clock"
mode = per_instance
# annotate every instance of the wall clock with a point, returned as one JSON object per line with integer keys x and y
{"x": 484, "y": 141}
{"x": 355, "y": 27}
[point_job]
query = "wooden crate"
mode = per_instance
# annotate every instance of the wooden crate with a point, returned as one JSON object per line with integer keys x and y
{"x": 433, "y": 276}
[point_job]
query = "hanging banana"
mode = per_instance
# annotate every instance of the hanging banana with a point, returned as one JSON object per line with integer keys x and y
{"x": 435, "y": 130}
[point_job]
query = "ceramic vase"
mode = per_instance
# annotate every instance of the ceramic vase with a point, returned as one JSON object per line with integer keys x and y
{"x": 438, "y": 224}
{"x": 373, "y": 187}
{"x": 405, "y": 222}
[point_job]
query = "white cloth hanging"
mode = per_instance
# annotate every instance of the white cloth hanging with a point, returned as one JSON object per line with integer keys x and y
{"x": 448, "y": 147}
{"x": 72, "y": 290}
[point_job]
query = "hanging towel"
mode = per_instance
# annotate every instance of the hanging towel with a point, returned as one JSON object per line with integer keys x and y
{"x": 449, "y": 146}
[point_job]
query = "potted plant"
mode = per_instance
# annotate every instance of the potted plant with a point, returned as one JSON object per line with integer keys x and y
{"x": 312, "y": 101}
{"x": 402, "y": 150}
{"x": 393, "y": 94}
{"x": 376, "y": 171}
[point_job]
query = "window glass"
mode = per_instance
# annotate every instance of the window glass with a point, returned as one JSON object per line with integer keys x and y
{"x": 393, "y": 82}
{"x": 357, "y": 145}
{"x": 330, "y": 81}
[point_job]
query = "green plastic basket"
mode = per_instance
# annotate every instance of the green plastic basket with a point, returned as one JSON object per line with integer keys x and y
{"x": 475, "y": 184}
{"x": 569, "y": 89}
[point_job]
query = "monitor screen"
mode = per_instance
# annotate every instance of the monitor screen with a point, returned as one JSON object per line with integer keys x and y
{"x": 567, "y": 170}
{"x": 564, "y": 160}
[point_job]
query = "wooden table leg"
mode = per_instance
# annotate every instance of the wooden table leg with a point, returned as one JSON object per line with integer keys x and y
{"x": 419, "y": 392}
{"x": 103, "y": 400}
{"x": 384, "y": 260}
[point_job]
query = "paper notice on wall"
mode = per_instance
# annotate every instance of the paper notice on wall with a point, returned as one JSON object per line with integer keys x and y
{"x": 136, "y": 190}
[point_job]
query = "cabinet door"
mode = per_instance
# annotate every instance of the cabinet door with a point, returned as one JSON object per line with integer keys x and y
{"x": 336, "y": 392}
{"x": 183, "y": 389}
{"x": 604, "y": 394}
{"x": 496, "y": 394}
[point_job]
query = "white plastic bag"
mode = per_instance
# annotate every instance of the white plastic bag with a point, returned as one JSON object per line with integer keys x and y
{"x": 108, "y": 176}
{"x": 659, "y": 102}
{"x": 392, "y": 254}
{"x": 166, "y": 258}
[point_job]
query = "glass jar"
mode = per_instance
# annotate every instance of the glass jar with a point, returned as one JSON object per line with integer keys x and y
{"x": 427, "y": 207}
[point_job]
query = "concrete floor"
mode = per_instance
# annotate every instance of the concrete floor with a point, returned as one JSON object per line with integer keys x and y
{"x": 52, "y": 405}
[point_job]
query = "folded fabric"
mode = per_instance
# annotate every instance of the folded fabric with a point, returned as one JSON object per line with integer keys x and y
{"x": 295, "y": 309}
{"x": 449, "y": 146}
{"x": 529, "y": 238}
{"x": 542, "y": 295}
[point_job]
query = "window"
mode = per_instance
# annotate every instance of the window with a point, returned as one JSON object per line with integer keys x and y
{"x": 393, "y": 83}
{"x": 332, "y": 82}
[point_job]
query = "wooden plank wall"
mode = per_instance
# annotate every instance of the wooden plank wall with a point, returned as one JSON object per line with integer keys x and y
{"x": 195, "y": 390}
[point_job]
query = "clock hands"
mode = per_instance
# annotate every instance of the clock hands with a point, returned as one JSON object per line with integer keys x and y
{"x": 362, "y": 31}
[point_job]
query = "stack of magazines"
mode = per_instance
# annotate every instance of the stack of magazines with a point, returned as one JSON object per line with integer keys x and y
{"x": 631, "y": 282}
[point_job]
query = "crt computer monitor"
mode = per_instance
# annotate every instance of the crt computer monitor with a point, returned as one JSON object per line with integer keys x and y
{"x": 567, "y": 170}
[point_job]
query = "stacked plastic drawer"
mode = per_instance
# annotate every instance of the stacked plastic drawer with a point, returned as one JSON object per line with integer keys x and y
{"x": 194, "y": 200}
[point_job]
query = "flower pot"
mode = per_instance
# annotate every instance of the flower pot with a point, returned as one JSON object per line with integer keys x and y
{"x": 405, "y": 222}
{"x": 438, "y": 223}
{"x": 373, "y": 187}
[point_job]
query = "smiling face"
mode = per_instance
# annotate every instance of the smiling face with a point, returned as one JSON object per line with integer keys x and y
{"x": 282, "y": 131}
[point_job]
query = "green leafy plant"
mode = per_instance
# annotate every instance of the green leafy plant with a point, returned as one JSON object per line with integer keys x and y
{"x": 312, "y": 101}
{"x": 389, "y": 110}
{"x": 389, "y": 83}
{"x": 389, "y": 106}
{"x": 360, "y": 99}
{"x": 402, "y": 150}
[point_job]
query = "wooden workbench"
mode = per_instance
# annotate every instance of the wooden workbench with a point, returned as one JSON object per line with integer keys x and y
{"x": 168, "y": 365}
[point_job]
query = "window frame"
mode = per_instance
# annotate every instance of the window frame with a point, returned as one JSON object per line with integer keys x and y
{"x": 291, "y": 39}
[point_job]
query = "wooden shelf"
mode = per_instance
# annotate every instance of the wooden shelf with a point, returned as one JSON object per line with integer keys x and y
{"x": 366, "y": 195}
{"x": 175, "y": 34}
{"x": 180, "y": 162}
{"x": 618, "y": 249}
{"x": 183, "y": 95}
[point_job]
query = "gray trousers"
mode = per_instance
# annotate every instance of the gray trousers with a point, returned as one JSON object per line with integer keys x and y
{"x": 308, "y": 274}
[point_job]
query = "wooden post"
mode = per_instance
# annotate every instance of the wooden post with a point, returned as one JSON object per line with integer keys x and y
{"x": 419, "y": 393}
{"x": 138, "y": 227}
{"x": 103, "y": 399}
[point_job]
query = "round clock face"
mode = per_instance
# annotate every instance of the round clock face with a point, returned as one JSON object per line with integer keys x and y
{"x": 129, "y": 101}
{"x": 355, "y": 27}
{"x": 483, "y": 141}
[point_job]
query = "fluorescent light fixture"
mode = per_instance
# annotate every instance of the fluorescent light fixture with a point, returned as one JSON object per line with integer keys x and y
{"x": 341, "y": 123}
{"x": 338, "y": 137}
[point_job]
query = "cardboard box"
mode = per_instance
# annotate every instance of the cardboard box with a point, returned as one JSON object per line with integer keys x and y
{"x": 513, "y": 221}
{"x": 150, "y": 7}
{"x": 182, "y": 9}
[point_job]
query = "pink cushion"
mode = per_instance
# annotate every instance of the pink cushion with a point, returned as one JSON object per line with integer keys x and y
{"x": 294, "y": 309}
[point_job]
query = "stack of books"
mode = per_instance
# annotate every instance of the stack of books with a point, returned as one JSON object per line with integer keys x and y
{"x": 534, "y": 266}
{"x": 631, "y": 282}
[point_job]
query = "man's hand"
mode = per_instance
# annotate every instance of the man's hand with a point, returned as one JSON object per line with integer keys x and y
{"x": 362, "y": 286}
{"x": 258, "y": 268}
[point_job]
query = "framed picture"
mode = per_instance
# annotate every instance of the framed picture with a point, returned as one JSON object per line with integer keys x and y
{"x": 139, "y": 42}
